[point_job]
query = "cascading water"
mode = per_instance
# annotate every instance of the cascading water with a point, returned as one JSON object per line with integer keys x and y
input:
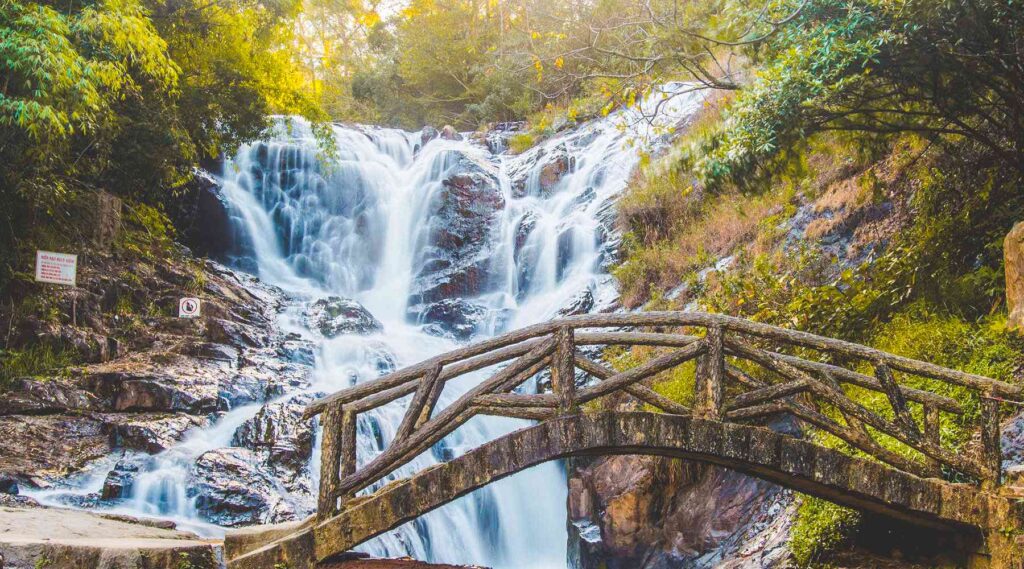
{"x": 440, "y": 240}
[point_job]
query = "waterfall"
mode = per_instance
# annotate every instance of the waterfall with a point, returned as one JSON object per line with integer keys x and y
{"x": 442, "y": 241}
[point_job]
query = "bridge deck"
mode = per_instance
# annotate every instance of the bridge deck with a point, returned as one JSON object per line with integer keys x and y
{"x": 855, "y": 482}
{"x": 744, "y": 373}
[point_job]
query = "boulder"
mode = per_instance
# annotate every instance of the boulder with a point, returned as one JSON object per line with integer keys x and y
{"x": 231, "y": 488}
{"x": 1013, "y": 255}
{"x": 151, "y": 433}
{"x": 31, "y": 397}
{"x": 427, "y": 134}
{"x": 48, "y": 446}
{"x": 581, "y": 303}
{"x": 459, "y": 239}
{"x": 279, "y": 431}
{"x": 334, "y": 316}
{"x": 557, "y": 165}
{"x": 175, "y": 390}
{"x": 118, "y": 483}
{"x": 453, "y": 317}
{"x": 448, "y": 132}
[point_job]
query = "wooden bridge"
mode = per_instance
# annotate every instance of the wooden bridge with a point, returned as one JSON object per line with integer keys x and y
{"x": 745, "y": 373}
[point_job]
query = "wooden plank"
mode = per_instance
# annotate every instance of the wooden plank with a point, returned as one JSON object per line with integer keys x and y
{"x": 506, "y": 400}
{"x": 867, "y": 382}
{"x": 933, "y": 433}
{"x": 437, "y": 428}
{"x": 767, "y": 393}
{"x": 528, "y": 413}
{"x": 642, "y": 371}
{"x": 641, "y": 392}
{"x": 846, "y": 405}
{"x": 896, "y": 400}
{"x": 419, "y": 401}
{"x": 456, "y": 362}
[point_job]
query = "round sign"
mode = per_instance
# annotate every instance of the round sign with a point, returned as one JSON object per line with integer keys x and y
{"x": 188, "y": 308}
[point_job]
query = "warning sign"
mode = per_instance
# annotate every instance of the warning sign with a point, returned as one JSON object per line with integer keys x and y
{"x": 188, "y": 308}
{"x": 56, "y": 268}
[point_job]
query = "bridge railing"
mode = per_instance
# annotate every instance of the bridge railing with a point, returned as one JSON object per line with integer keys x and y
{"x": 737, "y": 379}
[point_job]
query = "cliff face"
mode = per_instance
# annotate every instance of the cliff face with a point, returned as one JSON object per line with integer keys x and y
{"x": 646, "y": 512}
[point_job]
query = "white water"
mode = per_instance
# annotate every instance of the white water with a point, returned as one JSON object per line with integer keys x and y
{"x": 359, "y": 227}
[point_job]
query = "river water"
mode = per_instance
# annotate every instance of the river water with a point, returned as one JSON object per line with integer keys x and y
{"x": 377, "y": 224}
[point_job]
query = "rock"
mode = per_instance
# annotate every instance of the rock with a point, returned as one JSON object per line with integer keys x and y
{"x": 152, "y": 433}
{"x": 452, "y": 317}
{"x": 51, "y": 445}
{"x": 581, "y": 303}
{"x": 448, "y": 132}
{"x": 203, "y": 218}
{"x": 645, "y": 512}
{"x": 427, "y": 134}
{"x": 123, "y": 391}
{"x": 219, "y": 330}
{"x": 559, "y": 162}
{"x": 119, "y": 481}
{"x": 279, "y": 431}
{"x": 232, "y": 489}
{"x": 1013, "y": 256}
{"x": 334, "y": 316}
{"x": 463, "y": 214}
{"x": 8, "y": 485}
{"x": 31, "y": 397}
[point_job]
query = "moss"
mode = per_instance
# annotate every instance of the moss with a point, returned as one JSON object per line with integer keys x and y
{"x": 820, "y": 527}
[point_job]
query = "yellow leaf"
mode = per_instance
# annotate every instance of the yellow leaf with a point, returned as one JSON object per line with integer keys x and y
{"x": 559, "y": 63}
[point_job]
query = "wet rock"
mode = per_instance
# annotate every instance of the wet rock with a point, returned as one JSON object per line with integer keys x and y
{"x": 334, "y": 316}
{"x": 123, "y": 391}
{"x": 119, "y": 481}
{"x": 223, "y": 331}
{"x": 463, "y": 215}
{"x": 152, "y": 433}
{"x": 581, "y": 303}
{"x": 231, "y": 488}
{"x": 8, "y": 485}
{"x": 31, "y": 397}
{"x": 279, "y": 430}
{"x": 427, "y": 134}
{"x": 558, "y": 164}
{"x": 453, "y": 317}
{"x": 202, "y": 217}
{"x": 43, "y": 447}
{"x": 448, "y": 132}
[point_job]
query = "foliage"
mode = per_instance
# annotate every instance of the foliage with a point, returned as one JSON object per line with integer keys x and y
{"x": 821, "y": 526}
{"x": 37, "y": 360}
{"x": 128, "y": 96}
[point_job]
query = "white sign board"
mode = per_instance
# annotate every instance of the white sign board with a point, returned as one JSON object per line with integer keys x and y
{"x": 188, "y": 307}
{"x": 56, "y": 268}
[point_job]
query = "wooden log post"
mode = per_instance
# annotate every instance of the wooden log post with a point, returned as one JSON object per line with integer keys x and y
{"x": 563, "y": 371}
{"x": 709, "y": 386}
{"x": 330, "y": 462}
{"x": 991, "y": 444}
{"x": 348, "y": 451}
{"x": 932, "y": 435}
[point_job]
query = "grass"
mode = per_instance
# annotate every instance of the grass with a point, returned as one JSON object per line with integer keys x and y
{"x": 36, "y": 360}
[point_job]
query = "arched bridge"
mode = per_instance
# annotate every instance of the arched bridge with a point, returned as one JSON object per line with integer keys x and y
{"x": 745, "y": 373}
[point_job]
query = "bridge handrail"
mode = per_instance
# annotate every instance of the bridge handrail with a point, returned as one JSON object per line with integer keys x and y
{"x": 805, "y": 388}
